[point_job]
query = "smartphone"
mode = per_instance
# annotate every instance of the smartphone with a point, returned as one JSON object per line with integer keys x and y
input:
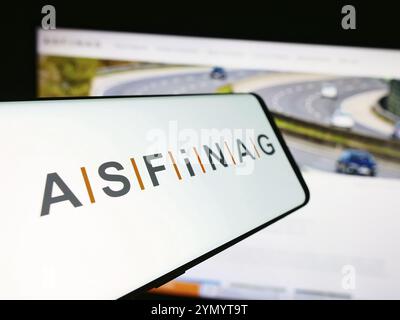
{"x": 106, "y": 196}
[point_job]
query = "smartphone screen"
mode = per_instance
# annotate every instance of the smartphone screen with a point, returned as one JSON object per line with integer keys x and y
{"x": 104, "y": 196}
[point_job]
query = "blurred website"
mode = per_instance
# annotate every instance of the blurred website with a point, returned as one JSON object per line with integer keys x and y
{"x": 339, "y": 110}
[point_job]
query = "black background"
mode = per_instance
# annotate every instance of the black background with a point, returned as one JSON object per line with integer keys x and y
{"x": 284, "y": 21}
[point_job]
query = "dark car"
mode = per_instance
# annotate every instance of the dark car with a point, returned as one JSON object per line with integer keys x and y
{"x": 396, "y": 131}
{"x": 356, "y": 162}
{"x": 218, "y": 73}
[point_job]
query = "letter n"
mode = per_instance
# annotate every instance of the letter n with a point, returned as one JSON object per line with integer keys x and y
{"x": 211, "y": 154}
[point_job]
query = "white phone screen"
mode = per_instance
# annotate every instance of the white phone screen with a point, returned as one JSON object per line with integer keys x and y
{"x": 102, "y": 196}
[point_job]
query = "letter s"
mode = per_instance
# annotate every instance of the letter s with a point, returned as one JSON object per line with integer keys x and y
{"x": 126, "y": 186}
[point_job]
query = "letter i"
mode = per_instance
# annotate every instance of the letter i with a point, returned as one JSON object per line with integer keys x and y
{"x": 188, "y": 164}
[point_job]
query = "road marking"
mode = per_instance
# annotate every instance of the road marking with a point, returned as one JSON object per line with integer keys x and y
{"x": 309, "y": 104}
{"x": 276, "y": 97}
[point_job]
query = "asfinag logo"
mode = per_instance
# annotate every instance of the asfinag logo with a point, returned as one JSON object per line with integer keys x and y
{"x": 207, "y": 157}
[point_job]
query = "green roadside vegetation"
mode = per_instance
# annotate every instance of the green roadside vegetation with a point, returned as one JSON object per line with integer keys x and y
{"x": 69, "y": 76}
{"x": 72, "y": 76}
{"x": 333, "y": 138}
{"x": 227, "y": 88}
{"x": 393, "y": 102}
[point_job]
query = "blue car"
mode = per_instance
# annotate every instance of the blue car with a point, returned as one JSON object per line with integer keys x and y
{"x": 356, "y": 162}
{"x": 218, "y": 73}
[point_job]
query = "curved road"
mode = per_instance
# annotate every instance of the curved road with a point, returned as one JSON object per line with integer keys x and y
{"x": 194, "y": 82}
{"x": 302, "y": 100}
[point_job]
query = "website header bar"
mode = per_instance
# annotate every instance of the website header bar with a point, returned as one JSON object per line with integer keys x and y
{"x": 351, "y": 61}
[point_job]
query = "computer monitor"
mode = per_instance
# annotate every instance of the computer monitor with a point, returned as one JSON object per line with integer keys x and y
{"x": 339, "y": 110}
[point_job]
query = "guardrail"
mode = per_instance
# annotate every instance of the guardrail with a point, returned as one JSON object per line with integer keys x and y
{"x": 384, "y": 113}
{"x": 385, "y": 148}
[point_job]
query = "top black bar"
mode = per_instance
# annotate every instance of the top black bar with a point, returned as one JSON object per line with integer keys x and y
{"x": 279, "y": 20}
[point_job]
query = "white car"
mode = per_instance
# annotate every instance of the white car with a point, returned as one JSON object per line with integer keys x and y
{"x": 342, "y": 120}
{"x": 396, "y": 131}
{"x": 329, "y": 91}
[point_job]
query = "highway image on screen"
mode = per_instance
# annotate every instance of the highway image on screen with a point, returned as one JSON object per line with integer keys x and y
{"x": 339, "y": 112}
{"x": 346, "y": 108}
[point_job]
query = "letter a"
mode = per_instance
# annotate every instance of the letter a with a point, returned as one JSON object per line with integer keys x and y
{"x": 48, "y": 199}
